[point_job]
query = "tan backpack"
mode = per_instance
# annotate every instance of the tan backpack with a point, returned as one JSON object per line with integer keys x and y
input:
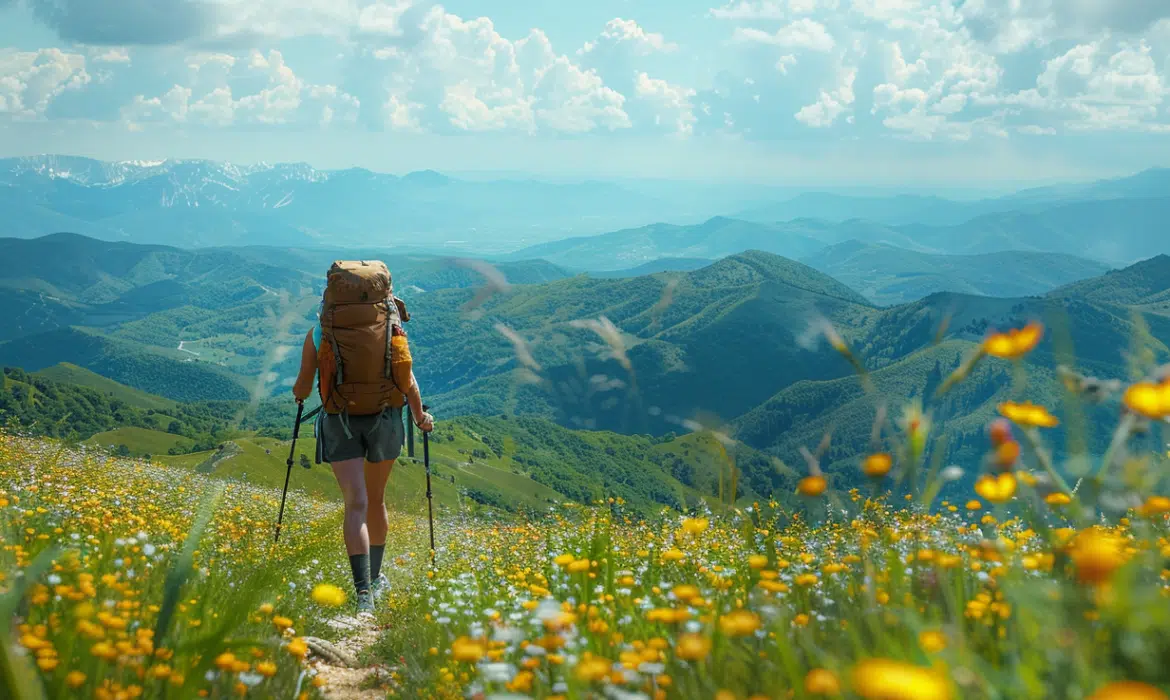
{"x": 360, "y": 318}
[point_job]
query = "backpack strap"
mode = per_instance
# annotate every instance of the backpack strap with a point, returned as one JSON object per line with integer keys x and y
{"x": 336, "y": 352}
{"x": 388, "y": 371}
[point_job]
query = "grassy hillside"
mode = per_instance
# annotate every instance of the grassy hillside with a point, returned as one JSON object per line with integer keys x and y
{"x": 150, "y": 369}
{"x": 66, "y": 373}
{"x": 139, "y": 442}
{"x": 519, "y": 463}
{"x": 61, "y": 409}
{"x": 889, "y": 275}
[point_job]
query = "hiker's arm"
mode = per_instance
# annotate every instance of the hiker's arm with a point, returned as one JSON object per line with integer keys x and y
{"x": 304, "y": 384}
{"x": 403, "y": 367}
{"x": 414, "y": 398}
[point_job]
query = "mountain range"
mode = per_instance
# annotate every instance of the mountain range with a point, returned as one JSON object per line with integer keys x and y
{"x": 728, "y": 343}
{"x": 889, "y": 275}
{"x": 193, "y": 203}
{"x": 906, "y": 209}
{"x": 1112, "y": 232}
{"x": 201, "y": 203}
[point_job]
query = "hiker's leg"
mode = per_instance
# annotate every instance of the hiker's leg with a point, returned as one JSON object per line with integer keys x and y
{"x": 377, "y": 521}
{"x": 357, "y": 539}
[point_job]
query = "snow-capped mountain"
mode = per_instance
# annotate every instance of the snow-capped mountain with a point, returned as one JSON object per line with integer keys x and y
{"x": 204, "y": 202}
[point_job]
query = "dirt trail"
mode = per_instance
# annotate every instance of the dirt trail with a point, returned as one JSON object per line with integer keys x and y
{"x": 337, "y": 662}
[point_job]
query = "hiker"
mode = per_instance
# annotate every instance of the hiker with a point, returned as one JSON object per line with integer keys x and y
{"x": 359, "y": 354}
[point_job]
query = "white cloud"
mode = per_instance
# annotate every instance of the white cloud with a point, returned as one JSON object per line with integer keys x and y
{"x": 285, "y": 99}
{"x": 383, "y": 18}
{"x": 801, "y": 34}
{"x": 831, "y": 104}
{"x": 576, "y": 101}
{"x": 923, "y": 69}
{"x": 672, "y": 104}
{"x": 1101, "y": 88}
{"x": 400, "y": 114}
{"x": 110, "y": 55}
{"x": 1034, "y": 130}
{"x": 626, "y": 33}
{"x": 770, "y": 9}
{"x": 462, "y": 74}
{"x": 174, "y": 105}
{"x": 31, "y": 80}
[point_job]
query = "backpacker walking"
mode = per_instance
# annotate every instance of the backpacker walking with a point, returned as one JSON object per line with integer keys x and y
{"x": 359, "y": 354}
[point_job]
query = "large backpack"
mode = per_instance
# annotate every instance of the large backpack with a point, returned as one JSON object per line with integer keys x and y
{"x": 360, "y": 317}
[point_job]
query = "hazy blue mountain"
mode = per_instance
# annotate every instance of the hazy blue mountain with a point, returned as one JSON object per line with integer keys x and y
{"x": 890, "y": 275}
{"x": 201, "y": 203}
{"x": 715, "y": 238}
{"x": 1113, "y": 232}
{"x": 939, "y": 211}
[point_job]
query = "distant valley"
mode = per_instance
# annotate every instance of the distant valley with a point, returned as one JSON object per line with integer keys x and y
{"x": 726, "y": 342}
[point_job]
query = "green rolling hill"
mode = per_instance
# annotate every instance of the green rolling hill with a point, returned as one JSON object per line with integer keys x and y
{"x": 66, "y": 373}
{"x": 726, "y": 345}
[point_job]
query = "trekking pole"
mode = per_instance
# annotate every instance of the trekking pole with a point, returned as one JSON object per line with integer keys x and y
{"x": 409, "y": 433}
{"x": 427, "y": 465}
{"x": 288, "y": 473}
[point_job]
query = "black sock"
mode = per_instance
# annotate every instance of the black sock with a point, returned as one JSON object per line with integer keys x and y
{"x": 376, "y": 552}
{"x": 359, "y": 564}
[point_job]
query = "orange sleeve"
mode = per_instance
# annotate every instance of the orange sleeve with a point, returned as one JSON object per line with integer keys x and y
{"x": 304, "y": 384}
{"x": 401, "y": 364}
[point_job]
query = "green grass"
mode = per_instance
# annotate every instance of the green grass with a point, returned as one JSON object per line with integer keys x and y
{"x": 140, "y": 441}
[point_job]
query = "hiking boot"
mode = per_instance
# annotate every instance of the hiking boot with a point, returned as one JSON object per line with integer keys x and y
{"x": 365, "y": 603}
{"x": 381, "y": 587}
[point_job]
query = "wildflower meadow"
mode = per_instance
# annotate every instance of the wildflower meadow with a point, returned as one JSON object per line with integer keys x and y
{"x": 1022, "y": 575}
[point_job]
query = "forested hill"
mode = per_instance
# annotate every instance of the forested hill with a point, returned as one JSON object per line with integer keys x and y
{"x": 738, "y": 343}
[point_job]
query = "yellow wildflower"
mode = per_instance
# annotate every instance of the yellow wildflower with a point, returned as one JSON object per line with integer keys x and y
{"x": 1028, "y": 414}
{"x": 885, "y": 679}
{"x": 328, "y": 595}
{"x": 1015, "y": 343}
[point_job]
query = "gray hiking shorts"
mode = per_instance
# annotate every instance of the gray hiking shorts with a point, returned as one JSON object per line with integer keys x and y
{"x": 377, "y": 438}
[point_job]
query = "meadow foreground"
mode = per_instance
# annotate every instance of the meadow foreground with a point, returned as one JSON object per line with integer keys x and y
{"x": 1019, "y": 586}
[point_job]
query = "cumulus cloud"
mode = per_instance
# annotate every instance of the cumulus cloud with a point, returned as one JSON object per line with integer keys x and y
{"x": 463, "y": 75}
{"x": 672, "y": 107}
{"x": 919, "y": 69}
{"x": 770, "y": 9}
{"x": 31, "y": 80}
{"x": 831, "y": 103}
{"x": 285, "y": 98}
{"x": 627, "y": 36}
{"x": 801, "y": 34}
{"x": 115, "y": 54}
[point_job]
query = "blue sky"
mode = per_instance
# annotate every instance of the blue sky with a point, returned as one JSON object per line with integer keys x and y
{"x": 819, "y": 91}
